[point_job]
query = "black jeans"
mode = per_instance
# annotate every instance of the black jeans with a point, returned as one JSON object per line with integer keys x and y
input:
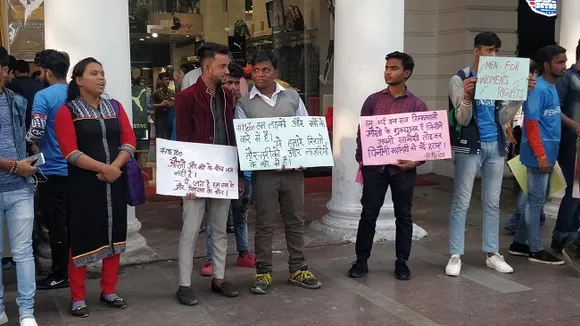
{"x": 162, "y": 123}
{"x": 568, "y": 220}
{"x": 376, "y": 181}
{"x": 53, "y": 207}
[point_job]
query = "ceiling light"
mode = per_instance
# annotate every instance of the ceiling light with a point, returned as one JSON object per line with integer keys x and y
{"x": 141, "y": 39}
{"x": 155, "y": 35}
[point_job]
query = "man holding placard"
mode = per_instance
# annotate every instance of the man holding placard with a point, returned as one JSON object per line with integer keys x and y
{"x": 539, "y": 151}
{"x": 276, "y": 192}
{"x": 479, "y": 142}
{"x": 400, "y": 176}
{"x": 204, "y": 114}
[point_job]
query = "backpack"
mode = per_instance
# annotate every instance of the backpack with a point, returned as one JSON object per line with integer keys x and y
{"x": 454, "y": 126}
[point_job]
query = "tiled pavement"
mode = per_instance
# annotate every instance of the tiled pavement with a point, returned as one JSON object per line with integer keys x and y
{"x": 533, "y": 295}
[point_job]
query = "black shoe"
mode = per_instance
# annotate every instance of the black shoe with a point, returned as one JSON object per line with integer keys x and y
{"x": 545, "y": 257}
{"x": 118, "y": 302}
{"x": 519, "y": 249}
{"x": 557, "y": 246}
{"x": 262, "y": 284}
{"x": 81, "y": 312}
{"x": 225, "y": 289}
{"x": 359, "y": 269}
{"x": 402, "y": 271}
{"x": 230, "y": 229}
{"x": 572, "y": 254}
{"x": 185, "y": 296}
{"x": 52, "y": 281}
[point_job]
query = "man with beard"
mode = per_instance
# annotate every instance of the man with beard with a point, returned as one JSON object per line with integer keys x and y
{"x": 204, "y": 114}
{"x": 237, "y": 219}
{"x": 52, "y": 193}
{"x": 539, "y": 152}
{"x": 396, "y": 98}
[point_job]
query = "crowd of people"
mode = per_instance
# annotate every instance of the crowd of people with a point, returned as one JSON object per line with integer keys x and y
{"x": 480, "y": 132}
{"x": 81, "y": 141}
{"x": 86, "y": 139}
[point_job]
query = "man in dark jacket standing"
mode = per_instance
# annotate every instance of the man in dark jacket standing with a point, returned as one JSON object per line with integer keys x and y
{"x": 565, "y": 235}
{"x": 204, "y": 114}
{"x": 26, "y": 86}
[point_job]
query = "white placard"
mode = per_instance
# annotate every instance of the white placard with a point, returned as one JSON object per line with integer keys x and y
{"x": 292, "y": 142}
{"x": 208, "y": 171}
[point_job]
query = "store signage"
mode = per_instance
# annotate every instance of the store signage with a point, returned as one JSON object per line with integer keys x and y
{"x": 546, "y": 8}
{"x": 25, "y": 28}
{"x": 181, "y": 24}
{"x": 237, "y": 46}
{"x": 140, "y": 115}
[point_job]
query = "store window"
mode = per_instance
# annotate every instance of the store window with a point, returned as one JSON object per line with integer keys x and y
{"x": 166, "y": 33}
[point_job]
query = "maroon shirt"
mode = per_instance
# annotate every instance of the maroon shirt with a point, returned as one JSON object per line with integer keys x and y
{"x": 382, "y": 103}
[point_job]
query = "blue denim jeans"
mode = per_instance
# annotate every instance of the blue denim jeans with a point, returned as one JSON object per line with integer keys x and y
{"x": 239, "y": 211}
{"x": 529, "y": 227}
{"x": 568, "y": 220}
{"x": 513, "y": 222}
{"x": 17, "y": 207}
{"x": 491, "y": 164}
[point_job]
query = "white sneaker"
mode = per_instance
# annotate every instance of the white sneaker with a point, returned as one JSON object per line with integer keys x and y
{"x": 28, "y": 321}
{"x": 453, "y": 267}
{"x": 498, "y": 263}
{"x": 3, "y": 318}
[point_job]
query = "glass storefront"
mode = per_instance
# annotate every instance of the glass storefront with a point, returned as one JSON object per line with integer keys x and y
{"x": 166, "y": 34}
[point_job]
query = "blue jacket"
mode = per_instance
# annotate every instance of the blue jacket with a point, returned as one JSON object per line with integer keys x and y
{"x": 18, "y": 105}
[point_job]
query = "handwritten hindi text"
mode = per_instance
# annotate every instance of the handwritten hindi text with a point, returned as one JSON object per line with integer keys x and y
{"x": 417, "y": 136}
{"x": 292, "y": 142}
{"x": 209, "y": 171}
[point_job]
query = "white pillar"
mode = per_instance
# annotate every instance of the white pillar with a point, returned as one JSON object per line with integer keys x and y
{"x": 568, "y": 28}
{"x": 365, "y": 31}
{"x": 100, "y": 29}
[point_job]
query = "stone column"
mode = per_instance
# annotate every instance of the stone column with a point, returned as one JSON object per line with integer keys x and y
{"x": 365, "y": 32}
{"x": 100, "y": 29}
{"x": 568, "y": 27}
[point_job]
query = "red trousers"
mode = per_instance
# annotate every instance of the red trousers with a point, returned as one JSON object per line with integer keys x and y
{"x": 78, "y": 275}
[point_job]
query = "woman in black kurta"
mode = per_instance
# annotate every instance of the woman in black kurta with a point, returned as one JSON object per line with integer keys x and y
{"x": 96, "y": 138}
